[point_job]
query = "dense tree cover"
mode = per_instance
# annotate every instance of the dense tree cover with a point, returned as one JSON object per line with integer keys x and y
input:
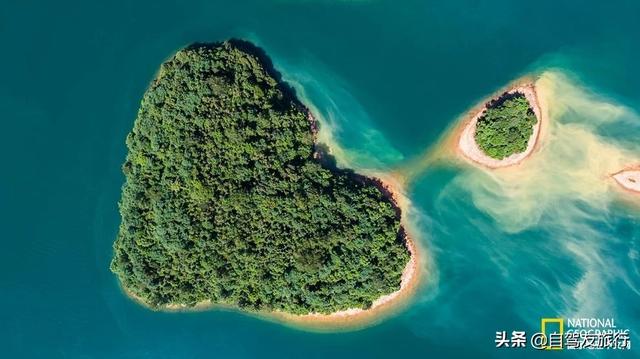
{"x": 506, "y": 126}
{"x": 224, "y": 200}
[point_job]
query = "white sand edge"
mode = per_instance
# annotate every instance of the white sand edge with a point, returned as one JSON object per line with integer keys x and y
{"x": 628, "y": 179}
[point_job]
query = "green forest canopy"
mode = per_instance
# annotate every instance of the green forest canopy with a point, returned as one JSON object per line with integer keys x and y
{"x": 506, "y": 126}
{"x": 224, "y": 200}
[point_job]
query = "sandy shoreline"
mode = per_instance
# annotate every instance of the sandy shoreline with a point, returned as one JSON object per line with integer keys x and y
{"x": 353, "y": 317}
{"x": 465, "y": 142}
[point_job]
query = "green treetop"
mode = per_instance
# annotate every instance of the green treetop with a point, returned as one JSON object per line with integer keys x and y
{"x": 505, "y": 127}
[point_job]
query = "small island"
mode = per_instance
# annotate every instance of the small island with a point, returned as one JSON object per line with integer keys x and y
{"x": 629, "y": 179}
{"x": 229, "y": 201}
{"x": 505, "y": 130}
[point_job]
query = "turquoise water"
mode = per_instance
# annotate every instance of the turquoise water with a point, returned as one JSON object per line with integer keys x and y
{"x": 388, "y": 78}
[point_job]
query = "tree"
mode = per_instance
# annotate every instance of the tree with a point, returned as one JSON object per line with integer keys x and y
{"x": 506, "y": 126}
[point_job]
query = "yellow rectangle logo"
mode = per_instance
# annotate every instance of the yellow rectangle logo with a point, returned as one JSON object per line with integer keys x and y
{"x": 555, "y": 339}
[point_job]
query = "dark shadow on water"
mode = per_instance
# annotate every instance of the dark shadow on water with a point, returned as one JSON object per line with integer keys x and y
{"x": 506, "y": 96}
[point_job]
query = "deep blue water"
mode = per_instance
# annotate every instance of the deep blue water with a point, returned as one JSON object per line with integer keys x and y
{"x": 390, "y": 77}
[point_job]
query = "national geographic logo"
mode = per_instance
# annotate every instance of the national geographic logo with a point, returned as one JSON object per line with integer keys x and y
{"x": 569, "y": 334}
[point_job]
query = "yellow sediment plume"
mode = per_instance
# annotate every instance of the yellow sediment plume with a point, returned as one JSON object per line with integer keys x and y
{"x": 573, "y": 162}
{"x": 446, "y": 149}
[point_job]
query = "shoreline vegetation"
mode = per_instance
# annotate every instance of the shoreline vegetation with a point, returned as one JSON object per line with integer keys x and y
{"x": 465, "y": 135}
{"x": 390, "y": 190}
